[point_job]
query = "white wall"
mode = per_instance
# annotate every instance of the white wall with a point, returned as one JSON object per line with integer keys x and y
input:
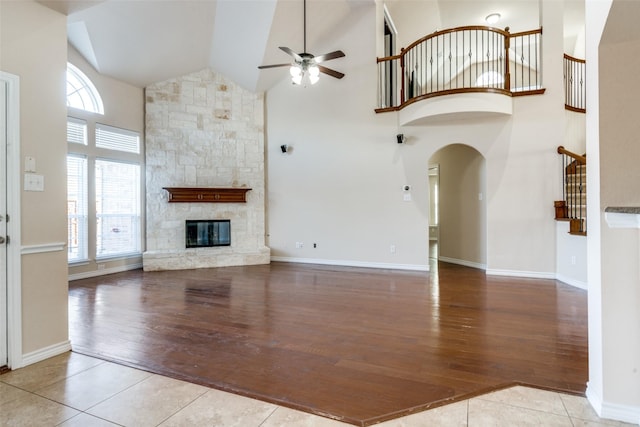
{"x": 620, "y": 186}
{"x": 571, "y": 252}
{"x": 575, "y": 138}
{"x": 33, "y": 46}
{"x": 596, "y": 12}
{"x": 613, "y": 254}
{"x": 341, "y": 187}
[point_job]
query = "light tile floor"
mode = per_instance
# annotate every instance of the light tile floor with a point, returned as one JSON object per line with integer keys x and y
{"x": 76, "y": 390}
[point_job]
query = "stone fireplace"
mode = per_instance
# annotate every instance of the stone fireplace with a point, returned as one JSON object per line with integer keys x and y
{"x": 203, "y": 132}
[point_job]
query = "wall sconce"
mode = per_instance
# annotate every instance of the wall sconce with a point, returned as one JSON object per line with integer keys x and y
{"x": 400, "y": 138}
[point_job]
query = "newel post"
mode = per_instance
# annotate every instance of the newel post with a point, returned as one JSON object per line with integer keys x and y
{"x": 507, "y": 73}
{"x": 402, "y": 74}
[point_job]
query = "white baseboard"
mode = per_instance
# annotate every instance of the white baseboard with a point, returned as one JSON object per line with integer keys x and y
{"x": 96, "y": 273}
{"x": 594, "y": 399}
{"x": 342, "y": 263}
{"x": 462, "y": 262}
{"x": 625, "y": 413}
{"x": 521, "y": 273}
{"x": 572, "y": 282}
{"x": 613, "y": 411}
{"x": 44, "y": 353}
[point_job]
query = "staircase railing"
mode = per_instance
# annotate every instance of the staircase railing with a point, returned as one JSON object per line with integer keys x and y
{"x": 573, "y": 207}
{"x": 463, "y": 59}
{"x": 574, "y": 84}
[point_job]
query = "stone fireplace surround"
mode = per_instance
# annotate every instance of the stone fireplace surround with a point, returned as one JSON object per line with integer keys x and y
{"x": 202, "y": 130}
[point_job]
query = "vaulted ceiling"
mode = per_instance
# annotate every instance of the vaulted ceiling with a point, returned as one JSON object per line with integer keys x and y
{"x": 141, "y": 42}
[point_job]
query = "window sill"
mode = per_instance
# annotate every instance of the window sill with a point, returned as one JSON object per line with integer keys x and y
{"x": 119, "y": 257}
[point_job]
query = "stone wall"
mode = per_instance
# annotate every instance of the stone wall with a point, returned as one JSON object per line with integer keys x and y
{"x": 203, "y": 130}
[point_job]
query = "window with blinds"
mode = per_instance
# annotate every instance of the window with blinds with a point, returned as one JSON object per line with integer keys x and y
{"x": 76, "y": 131}
{"x": 117, "y": 187}
{"x": 104, "y": 169}
{"x": 117, "y": 139}
{"x": 77, "y": 242}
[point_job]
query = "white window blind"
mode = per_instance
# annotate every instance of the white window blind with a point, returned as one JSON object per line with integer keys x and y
{"x": 77, "y": 242}
{"x": 117, "y": 208}
{"x": 76, "y": 131}
{"x": 117, "y": 139}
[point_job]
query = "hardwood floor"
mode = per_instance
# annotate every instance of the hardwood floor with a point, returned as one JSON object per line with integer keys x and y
{"x": 354, "y": 344}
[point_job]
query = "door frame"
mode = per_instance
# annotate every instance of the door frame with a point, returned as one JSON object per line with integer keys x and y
{"x": 14, "y": 261}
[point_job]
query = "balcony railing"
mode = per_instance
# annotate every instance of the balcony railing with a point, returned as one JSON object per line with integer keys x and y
{"x": 464, "y": 59}
{"x": 574, "y": 84}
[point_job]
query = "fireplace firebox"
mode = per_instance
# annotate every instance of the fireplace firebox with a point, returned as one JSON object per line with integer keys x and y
{"x": 208, "y": 233}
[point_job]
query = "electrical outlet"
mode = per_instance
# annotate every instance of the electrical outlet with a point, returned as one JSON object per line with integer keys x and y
{"x": 299, "y": 245}
{"x": 392, "y": 249}
{"x": 100, "y": 266}
{"x": 573, "y": 260}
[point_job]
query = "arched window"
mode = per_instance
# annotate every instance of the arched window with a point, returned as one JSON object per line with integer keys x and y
{"x": 81, "y": 93}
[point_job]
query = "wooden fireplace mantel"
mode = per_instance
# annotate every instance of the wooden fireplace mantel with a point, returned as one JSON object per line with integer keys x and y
{"x": 207, "y": 194}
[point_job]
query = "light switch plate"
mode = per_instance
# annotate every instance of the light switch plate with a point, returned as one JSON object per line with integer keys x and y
{"x": 33, "y": 182}
{"x": 29, "y": 164}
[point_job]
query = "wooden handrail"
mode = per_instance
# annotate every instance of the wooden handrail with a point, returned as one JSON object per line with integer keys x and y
{"x": 577, "y": 157}
{"x": 504, "y": 32}
{"x": 573, "y": 58}
{"x": 389, "y": 58}
{"x": 527, "y": 33}
{"x": 453, "y": 30}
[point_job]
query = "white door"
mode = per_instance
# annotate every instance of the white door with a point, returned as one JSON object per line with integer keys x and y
{"x": 3, "y": 223}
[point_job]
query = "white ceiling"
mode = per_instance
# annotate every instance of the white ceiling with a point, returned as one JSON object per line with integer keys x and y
{"x": 141, "y": 42}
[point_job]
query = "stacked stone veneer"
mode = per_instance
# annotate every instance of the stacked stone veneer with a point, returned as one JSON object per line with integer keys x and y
{"x": 203, "y": 130}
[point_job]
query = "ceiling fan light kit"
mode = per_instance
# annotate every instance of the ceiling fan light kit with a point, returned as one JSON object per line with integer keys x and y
{"x": 305, "y": 68}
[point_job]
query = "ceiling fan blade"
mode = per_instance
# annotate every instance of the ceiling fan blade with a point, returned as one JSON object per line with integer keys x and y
{"x": 292, "y": 53}
{"x": 262, "y": 67}
{"x": 329, "y": 71}
{"x": 328, "y": 56}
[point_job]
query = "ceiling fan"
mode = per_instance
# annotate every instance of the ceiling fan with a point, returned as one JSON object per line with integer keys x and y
{"x": 306, "y": 64}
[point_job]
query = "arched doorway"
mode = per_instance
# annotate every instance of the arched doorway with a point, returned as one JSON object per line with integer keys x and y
{"x": 457, "y": 175}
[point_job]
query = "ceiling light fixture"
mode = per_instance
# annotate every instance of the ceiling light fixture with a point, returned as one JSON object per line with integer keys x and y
{"x": 492, "y": 18}
{"x": 304, "y": 73}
